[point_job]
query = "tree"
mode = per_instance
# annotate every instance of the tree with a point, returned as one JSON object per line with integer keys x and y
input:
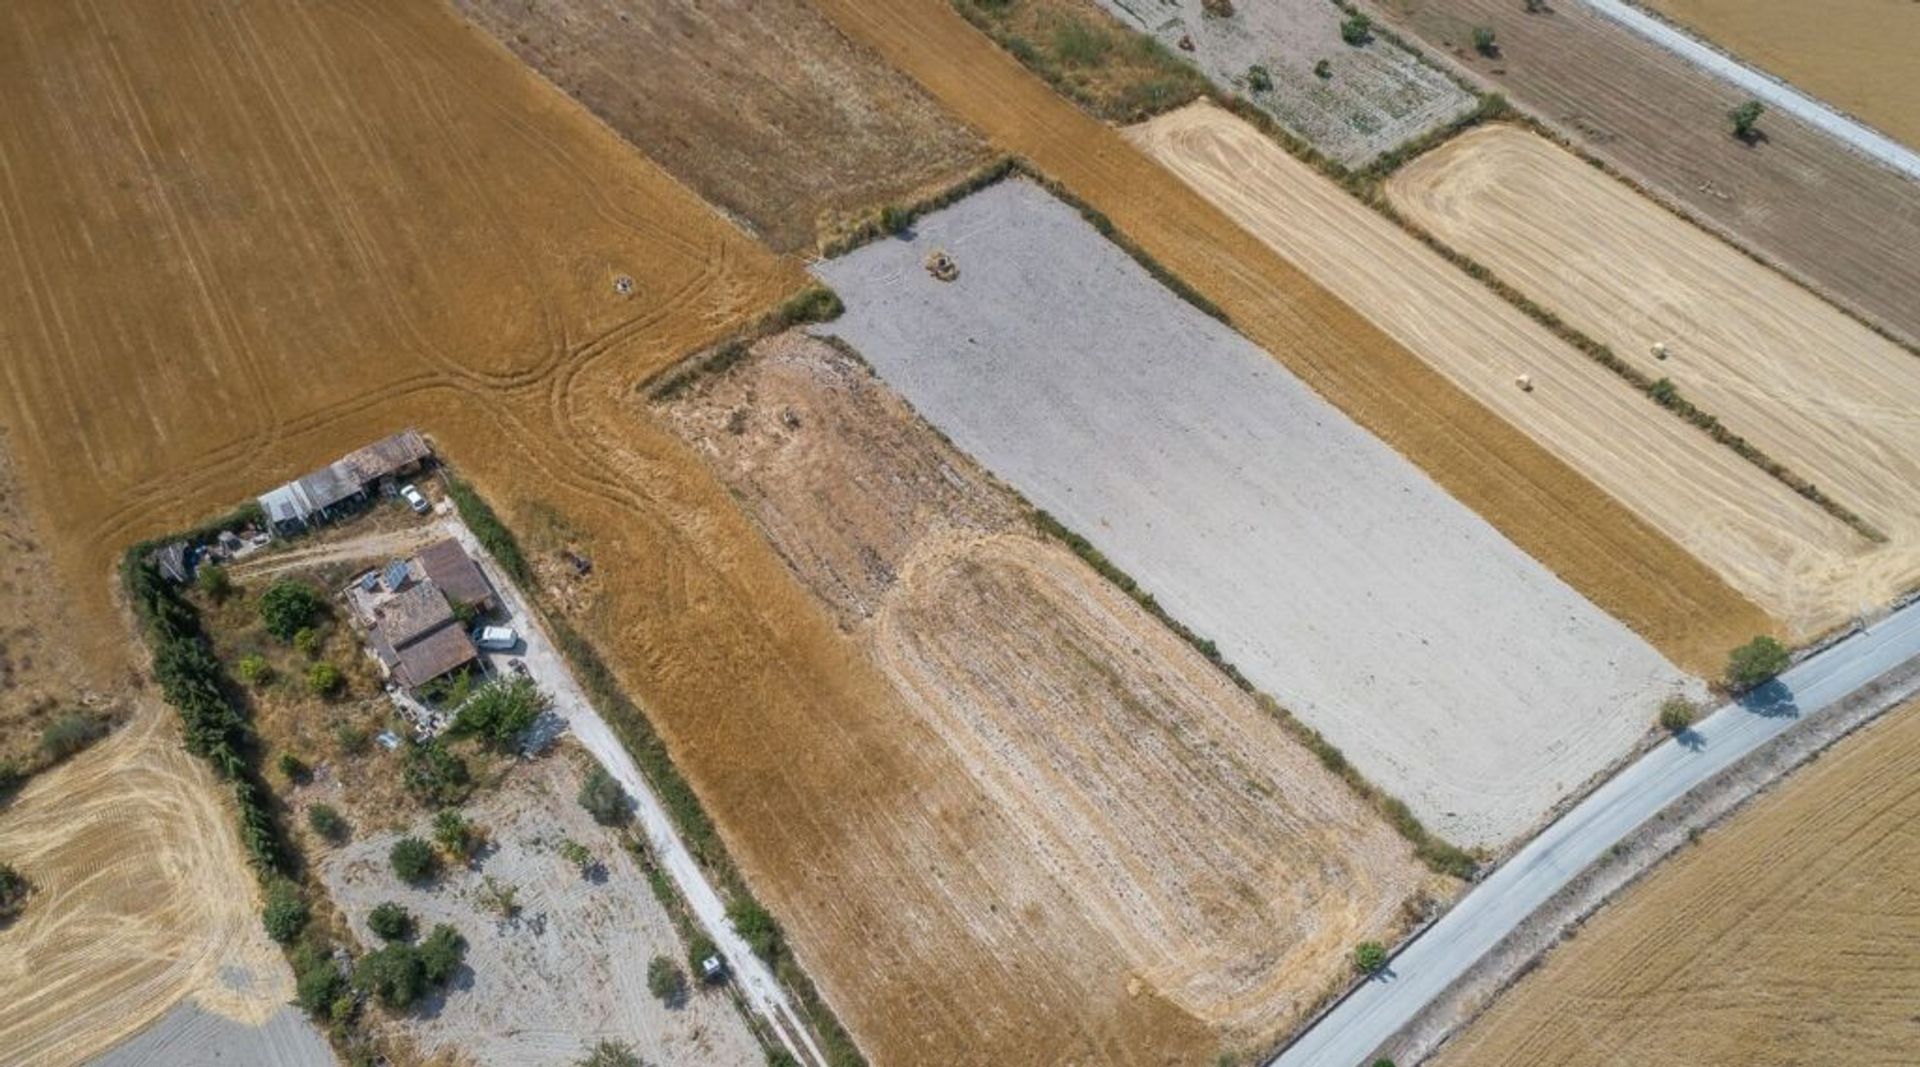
{"x": 666, "y": 980}
{"x": 286, "y": 912}
{"x": 400, "y": 974}
{"x": 1259, "y": 79}
{"x": 14, "y": 888}
{"x": 287, "y": 606}
{"x": 1357, "y": 30}
{"x": 499, "y": 712}
{"x": 434, "y": 775}
{"x": 1369, "y": 957}
{"x": 1483, "y": 41}
{"x": 69, "y": 733}
{"x": 755, "y": 926}
{"x": 413, "y": 860}
{"x": 1664, "y": 392}
{"x": 390, "y": 921}
{"x": 214, "y": 581}
{"x": 441, "y": 953}
{"x": 327, "y": 822}
{"x": 1745, "y": 120}
{"x": 603, "y": 798}
{"x": 307, "y": 641}
{"x": 1677, "y": 714}
{"x": 317, "y": 982}
{"x": 460, "y": 838}
{"x": 324, "y": 679}
{"x": 255, "y": 670}
{"x": 611, "y": 1054}
{"x": 577, "y": 854}
{"x": 1756, "y": 663}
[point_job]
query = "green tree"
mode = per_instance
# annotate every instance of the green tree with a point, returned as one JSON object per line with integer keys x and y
{"x": 287, "y": 606}
{"x": 285, "y": 914}
{"x": 1745, "y": 119}
{"x": 327, "y": 822}
{"x": 390, "y": 921}
{"x": 611, "y": 1054}
{"x": 456, "y": 834}
{"x": 307, "y": 641}
{"x": 14, "y": 888}
{"x": 603, "y": 798}
{"x": 324, "y": 679}
{"x": 500, "y": 711}
{"x": 1483, "y": 41}
{"x": 1357, "y": 30}
{"x": 1664, "y": 392}
{"x": 317, "y": 981}
{"x": 1259, "y": 79}
{"x": 1369, "y": 957}
{"x": 441, "y": 953}
{"x": 214, "y": 581}
{"x": 1756, "y": 662}
{"x": 665, "y": 980}
{"x": 1677, "y": 714}
{"x": 414, "y": 860}
{"x": 393, "y": 974}
{"x": 255, "y": 670}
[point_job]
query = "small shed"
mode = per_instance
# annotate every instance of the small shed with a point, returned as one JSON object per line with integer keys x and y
{"x": 447, "y": 565}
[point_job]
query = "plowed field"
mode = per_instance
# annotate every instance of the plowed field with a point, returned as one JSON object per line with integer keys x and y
{"x": 1837, "y": 220}
{"x": 1559, "y": 517}
{"x": 1822, "y": 394}
{"x": 1214, "y": 875}
{"x": 1785, "y": 937}
{"x": 1778, "y": 548}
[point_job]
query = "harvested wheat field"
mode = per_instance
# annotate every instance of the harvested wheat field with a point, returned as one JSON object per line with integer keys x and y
{"x": 1766, "y": 540}
{"x": 1334, "y": 574}
{"x": 1785, "y": 937}
{"x": 1215, "y": 863}
{"x": 760, "y": 105}
{"x": 1835, "y": 402}
{"x": 1371, "y": 98}
{"x": 1552, "y": 512}
{"x": 1834, "y": 219}
{"x": 142, "y": 901}
{"x": 1856, "y": 55}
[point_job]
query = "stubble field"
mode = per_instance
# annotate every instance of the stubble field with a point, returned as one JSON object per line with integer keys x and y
{"x": 1334, "y": 574}
{"x": 1776, "y": 547}
{"x": 1832, "y": 400}
{"x": 1830, "y": 217}
{"x": 1856, "y": 55}
{"x": 1785, "y": 937}
{"x": 1204, "y": 862}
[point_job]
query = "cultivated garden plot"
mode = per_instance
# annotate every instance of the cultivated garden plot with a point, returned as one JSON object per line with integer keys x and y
{"x": 1775, "y": 546}
{"x": 1350, "y": 101}
{"x": 1835, "y": 402}
{"x": 1454, "y": 670}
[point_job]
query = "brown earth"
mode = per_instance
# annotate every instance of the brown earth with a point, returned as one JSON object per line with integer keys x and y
{"x": 1615, "y": 559}
{"x": 1763, "y": 538}
{"x": 1217, "y": 864}
{"x": 1840, "y": 223}
{"x": 1856, "y": 55}
{"x": 1835, "y": 402}
{"x": 760, "y": 105}
{"x": 1785, "y": 937}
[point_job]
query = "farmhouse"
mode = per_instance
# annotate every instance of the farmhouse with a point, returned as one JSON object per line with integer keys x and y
{"x": 416, "y": 637}
{"x": 447, "y": 565}
{"x": 325, "y": 494}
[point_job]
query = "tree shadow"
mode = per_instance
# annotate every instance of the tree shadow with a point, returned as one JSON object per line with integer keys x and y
{"x": 1752, "y": 138}
{"x": 1690, "y": 739}
{"x": 435, "y": 1001}
{"x": 1771, "y": 700}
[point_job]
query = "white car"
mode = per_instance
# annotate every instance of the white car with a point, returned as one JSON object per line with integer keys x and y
{"x": 414, "y": 500}
{"x": 496, "y": 638}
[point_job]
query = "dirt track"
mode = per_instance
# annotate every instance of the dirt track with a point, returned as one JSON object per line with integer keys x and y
{"x": 1554, "y": 514}
{"x": 1843, "y": 222}
{"x": 142, "y": 899}
{"x": 1830, "y": 399}
{"x": 1778, "y": 548}
{"x": 1784, "y": 937}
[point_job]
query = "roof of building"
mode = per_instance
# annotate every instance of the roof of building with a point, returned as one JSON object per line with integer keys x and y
{"x": 396, "y": 574}
{"x": 385, "y": 456}
{"x": 285, "y": 504}
{"x": 411, "y": 614}
{"x": 448, "y": 566}
{"x": 329, "y": 485}
{"x": 433, "y": 655}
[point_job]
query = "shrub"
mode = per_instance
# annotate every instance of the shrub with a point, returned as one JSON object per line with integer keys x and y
{"x": 499, "y": 712}
{"x": 414, "y": 860}
{"x": 1745, "y": 119}
{"x": 1220, "y": 9}
{"x": 1259, "y": 79}
{"x": 1357, "y": 30}
{"x": 1677, "y": 714}
{"x": 665, "y": 980}
{"x": 1756, "y": 662}
{"x": 11, "y": 778}
{"x": 434, "y": 775}
{"x": 285, "y": 914}
{"x": 307, "y": 641}
{"x": 817, "y": 303}
{"x": 611, "y": 1054}
{"x": 1079, "y": 43}
{"x": 69, "y": 733}
{"x": 577, "y": 854}
{"x": 255, "y": 670}
{"x": 400, "y": 974}
{"x": 1369, "y": 957}
{"x": 324, "y": 679}
{"x": 458, "y": 836}
{"x": 1664, "y": 392}
{"x": 288, "y": 606}
{"x": 214, "y": 581}
{"x": 603, "y": 798}
{"x": 895, "y": 219}
{"x": 755, "y": 926}
{"x": 501, "y": 898}
{"x": 14, "y": 888}
{"x": 350, "y": 740}
{"x": 390, "y": 921}
{"x": 492, "y": 534}
{"x": 323, "y": 820}
{"x": 316, "y": 980}
{"x": 1323, "y": 70}
{"x": 1483, "y": 41}
{"x": 293, "y": 769}
{"x": 441, "y": 953}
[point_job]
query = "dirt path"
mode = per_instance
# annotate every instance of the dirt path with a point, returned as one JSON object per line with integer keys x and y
{"x": 379, "y": 547}
{"x": 1554, "y": 514}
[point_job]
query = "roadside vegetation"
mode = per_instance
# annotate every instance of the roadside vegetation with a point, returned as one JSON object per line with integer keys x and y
{"x": 1089, "y": 57}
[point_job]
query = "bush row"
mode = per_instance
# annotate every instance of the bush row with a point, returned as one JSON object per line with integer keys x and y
{"x": 491, "y": 532}
{"x": 815, "y": 303}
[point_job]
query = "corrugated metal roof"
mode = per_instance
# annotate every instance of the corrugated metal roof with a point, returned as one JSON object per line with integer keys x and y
{"x": 385, "y": 456}
{"x": 448, "y": 566}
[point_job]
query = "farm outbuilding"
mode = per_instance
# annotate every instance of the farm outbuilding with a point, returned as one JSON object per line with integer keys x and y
{"x": 447, "y": 565}
{"x": 417, "y": 639}
{"x": 323, "y": 495}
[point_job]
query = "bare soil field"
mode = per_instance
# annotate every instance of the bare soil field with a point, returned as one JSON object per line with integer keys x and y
{"x": 571, "y": 968}
{"x": 1374, "y": 97}
{"x": 1217, "y": 864}
{"x": 190, "y": 1034}
{"x": 1833, "y": 219}
{"x": 1856, "y": 55}
{"x": 760, "y": 105}
{"x": 1335, "y": 575}
{"x": 142, "y": 901}
{"x": 1783, "y": 937}
{"x": 1829, "y": 398}
{"x": 1766, "y": 540}
{"x": 1556, "y": 515}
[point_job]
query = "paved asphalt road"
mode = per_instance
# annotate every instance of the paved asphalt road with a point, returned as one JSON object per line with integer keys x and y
{"x": 1770, "y": 90}
{"x": 1425, "y": 969}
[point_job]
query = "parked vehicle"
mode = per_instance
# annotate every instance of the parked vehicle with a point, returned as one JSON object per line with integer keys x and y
{"x": 414, "y": 500}
{"x": 495, "y": 638}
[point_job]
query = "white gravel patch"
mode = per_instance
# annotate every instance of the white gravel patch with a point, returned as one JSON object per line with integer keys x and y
{"x": 192, "y": 1036}
{"x": 1453, "y": 670}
